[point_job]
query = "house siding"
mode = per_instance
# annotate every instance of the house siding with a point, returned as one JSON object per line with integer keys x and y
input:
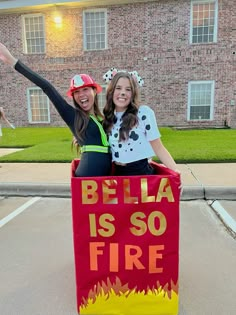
{"x": 150, "y": 37}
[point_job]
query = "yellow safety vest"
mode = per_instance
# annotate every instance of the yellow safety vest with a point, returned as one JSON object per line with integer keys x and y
{"x": 97, "y": 148}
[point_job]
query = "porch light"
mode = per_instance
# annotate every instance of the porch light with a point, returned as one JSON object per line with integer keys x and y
{"x": 57, "y": 20}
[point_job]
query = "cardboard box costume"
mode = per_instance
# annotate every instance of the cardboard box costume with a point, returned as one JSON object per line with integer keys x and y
{"x": 126, "y": 243}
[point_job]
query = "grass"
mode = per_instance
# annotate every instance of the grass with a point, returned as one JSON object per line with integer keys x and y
{"x": 54, "y": 145}
{"x": 40, "y": 144}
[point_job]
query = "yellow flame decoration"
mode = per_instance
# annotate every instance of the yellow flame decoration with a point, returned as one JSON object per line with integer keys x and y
{"x": 118, "y": 299}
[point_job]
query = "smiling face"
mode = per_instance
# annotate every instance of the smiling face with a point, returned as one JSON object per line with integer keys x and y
{"x": 122, "y": 94}
{"x": 84, "y": 97}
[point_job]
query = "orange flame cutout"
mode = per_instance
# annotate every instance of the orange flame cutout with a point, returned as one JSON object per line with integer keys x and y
{"x": 118, "y": 289}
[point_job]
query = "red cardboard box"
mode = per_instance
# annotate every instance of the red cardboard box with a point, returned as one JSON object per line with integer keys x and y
{"x": 126, "y": 243}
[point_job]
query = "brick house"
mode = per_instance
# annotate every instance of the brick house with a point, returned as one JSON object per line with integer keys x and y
{"x": 185, "y": 50}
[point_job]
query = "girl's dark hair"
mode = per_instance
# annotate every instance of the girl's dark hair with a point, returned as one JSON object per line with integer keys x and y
{"x": 129, "y": 118}
{"x": 82, "y": 118}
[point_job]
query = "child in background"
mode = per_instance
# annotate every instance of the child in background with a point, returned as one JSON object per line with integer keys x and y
{"x": 3, "y": 118}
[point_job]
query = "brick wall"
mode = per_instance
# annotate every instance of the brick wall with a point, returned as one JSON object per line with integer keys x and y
{"x": 152, "y": 38}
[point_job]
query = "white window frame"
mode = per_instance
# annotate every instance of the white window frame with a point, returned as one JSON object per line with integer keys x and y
{"x": 84, "y": 28}
{"x": 29, "y": 106}
{"x": 215, "y": 19}
{"x": 190, "y": 84}
{"x": 25, "y": 47}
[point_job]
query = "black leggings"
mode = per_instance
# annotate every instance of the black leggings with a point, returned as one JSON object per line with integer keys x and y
{"x": 94, "y": 164}
{"x": 141, "y": 167}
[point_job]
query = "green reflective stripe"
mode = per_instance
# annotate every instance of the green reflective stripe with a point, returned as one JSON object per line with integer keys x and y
{"x": 94, "y": 148}
{"x": 99, "y": 118}
{"x": 102, "y": 132}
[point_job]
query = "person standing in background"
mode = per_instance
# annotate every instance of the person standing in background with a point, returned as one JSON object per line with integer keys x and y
{"x": 4, "y": 119}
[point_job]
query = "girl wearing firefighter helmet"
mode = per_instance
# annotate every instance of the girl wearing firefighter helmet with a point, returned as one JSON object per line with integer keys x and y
{"x": 84, "y": 119}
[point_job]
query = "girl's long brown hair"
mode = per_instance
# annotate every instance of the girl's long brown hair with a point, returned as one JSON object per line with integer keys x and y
{"x": 129, "y": 118}
{"x": 82, "y": 118}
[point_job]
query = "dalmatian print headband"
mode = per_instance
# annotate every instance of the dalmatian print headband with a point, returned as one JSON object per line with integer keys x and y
{"x": 113, "y": 71}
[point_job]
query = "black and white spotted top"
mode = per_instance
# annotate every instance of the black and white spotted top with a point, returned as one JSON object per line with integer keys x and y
{"x": 137, "y": 147}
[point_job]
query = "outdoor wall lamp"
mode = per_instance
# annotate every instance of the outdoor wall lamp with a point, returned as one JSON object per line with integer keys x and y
{"x": 57, "y": 19}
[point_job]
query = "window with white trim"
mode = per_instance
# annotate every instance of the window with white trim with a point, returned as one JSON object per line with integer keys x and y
{"x": 33, "y": 33}
{"x": 95, "y": 29}
{"x": 38, "y": 106}
{"x": 204, "y": 18}
{"x": 102, "y": 98}
{"x": 201, "y": 100}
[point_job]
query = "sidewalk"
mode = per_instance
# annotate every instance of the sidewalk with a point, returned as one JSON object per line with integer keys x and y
{"x": 200, "y": 181}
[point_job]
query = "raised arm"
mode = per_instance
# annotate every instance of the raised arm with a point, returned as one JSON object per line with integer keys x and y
{"x": 65, "y": 110}
{"x": 6, "y": 56}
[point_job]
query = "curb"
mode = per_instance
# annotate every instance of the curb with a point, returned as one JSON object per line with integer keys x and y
{"x": 192, "y": 193}
{"x": 64, "y": 191}
{"x": 218, "y": 192}
{"x": 224, "y": 216}
{"x": 32, "y": 189}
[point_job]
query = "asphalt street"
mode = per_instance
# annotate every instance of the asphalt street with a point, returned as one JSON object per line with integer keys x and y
{"x": 37, "y": 260}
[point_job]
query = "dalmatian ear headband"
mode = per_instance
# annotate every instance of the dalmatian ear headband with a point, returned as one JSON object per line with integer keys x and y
{"x": 113, "y": 71}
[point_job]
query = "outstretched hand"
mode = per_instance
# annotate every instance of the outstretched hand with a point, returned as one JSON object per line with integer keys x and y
{"x": 181, "y": 185}
{"x": 6, "y": 56}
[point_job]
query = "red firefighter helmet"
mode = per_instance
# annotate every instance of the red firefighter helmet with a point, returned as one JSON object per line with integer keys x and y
{"x": 80, "y": 81}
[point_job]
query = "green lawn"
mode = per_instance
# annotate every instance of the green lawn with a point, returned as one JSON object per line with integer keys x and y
{"x": 54, "y": 145}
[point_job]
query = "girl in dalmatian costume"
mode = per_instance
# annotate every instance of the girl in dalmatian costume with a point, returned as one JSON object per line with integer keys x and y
{"x": 132, "y": 129}
{"x": 84, "y": 119}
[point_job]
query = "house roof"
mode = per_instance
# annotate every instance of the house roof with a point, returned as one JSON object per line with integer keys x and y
{"x": 8, "y": 6}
